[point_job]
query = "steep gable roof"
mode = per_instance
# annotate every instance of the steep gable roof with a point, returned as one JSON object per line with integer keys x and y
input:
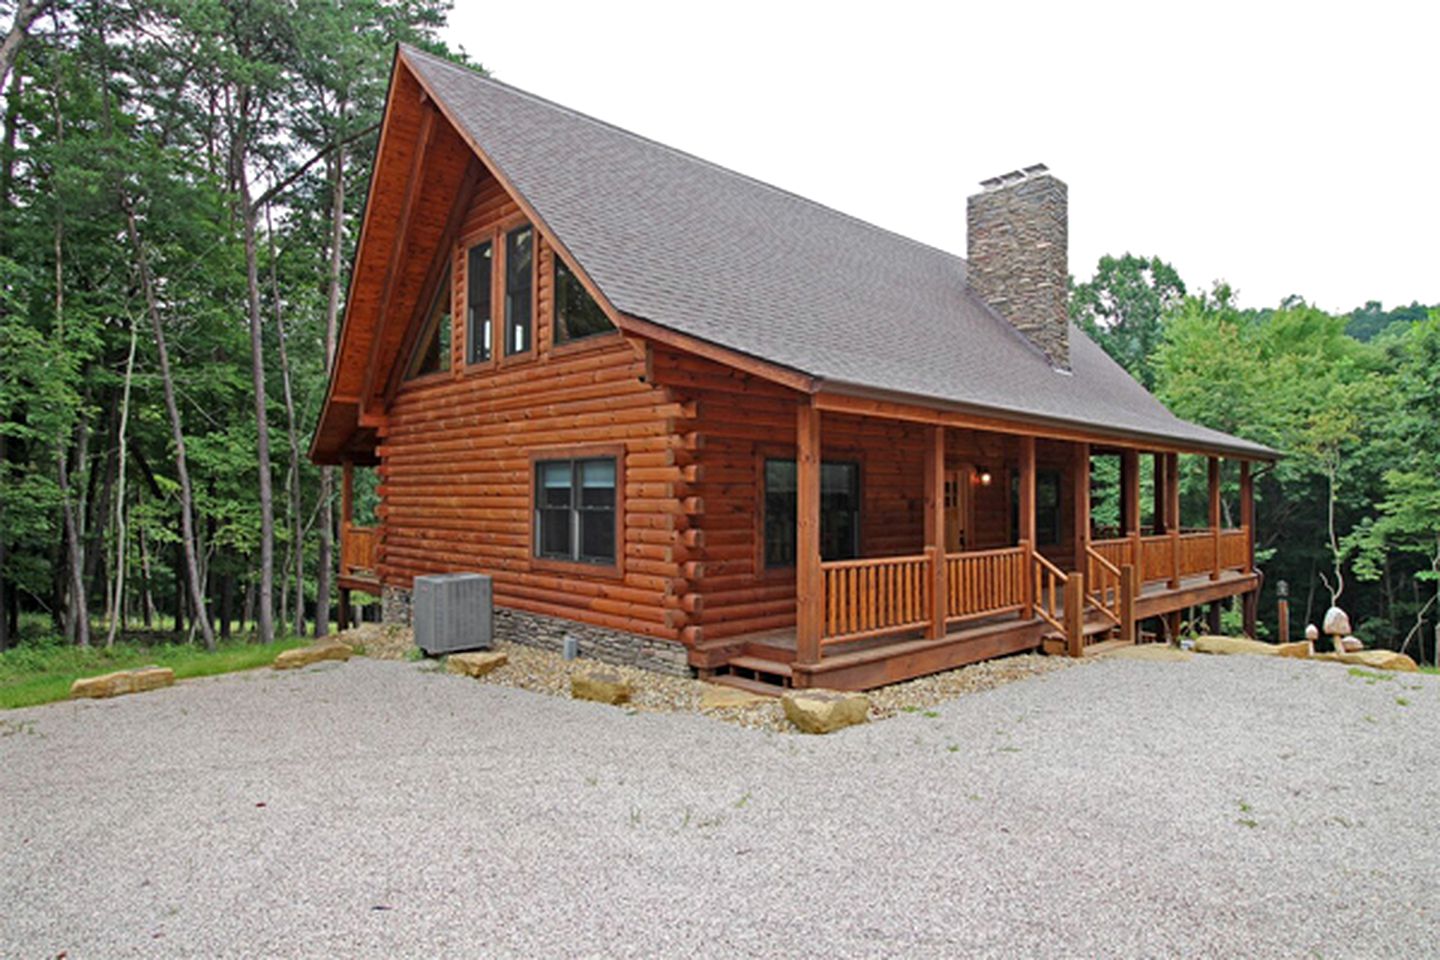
{"x": 726, "y": 259}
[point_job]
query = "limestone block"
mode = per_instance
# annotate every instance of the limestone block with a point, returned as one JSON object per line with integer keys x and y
{"x": 715, "y": 696}
{"x": 123, "y": 681}
{"x": 1377, "y": 659}
{"x": 601, "y": 686}
{"x": 316, "y": 652}
{"x": 1232, "y": 645}
{"x": 1299, "y": 650}
{"x": 475, "y": 664}
{"x": 824, "y": 711}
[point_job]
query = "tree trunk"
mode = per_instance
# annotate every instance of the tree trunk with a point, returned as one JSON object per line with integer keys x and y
{"x": 116, "y": 603}
{"x": 25, "y": 13}
{"x": 265, "y": 619}
{"x": 147, "y": 594}
{"x": 293, "y": 479}
{"x": 177, "y": 433}
{"x": 326, "y": 560}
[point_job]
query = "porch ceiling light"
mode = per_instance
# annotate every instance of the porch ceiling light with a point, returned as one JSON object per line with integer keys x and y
{"x": 984, "y": 478}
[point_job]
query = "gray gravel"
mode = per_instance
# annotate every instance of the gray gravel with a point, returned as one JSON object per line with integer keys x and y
{"x": 1220, "y": 807}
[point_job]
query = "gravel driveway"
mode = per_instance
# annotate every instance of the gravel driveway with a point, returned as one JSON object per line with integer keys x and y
{"x": 1219, "y": 807}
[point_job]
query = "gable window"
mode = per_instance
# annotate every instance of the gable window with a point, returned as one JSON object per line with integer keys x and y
{"x": 479, "y": 266}
{"x": 839, "y": 512}
{"x": 1047, "y": 508}
{"x": 432, "y": 348}
{"x": 577, "y": 315}
{"x": 519, "y": 288}
{"x": 575, "y": 510}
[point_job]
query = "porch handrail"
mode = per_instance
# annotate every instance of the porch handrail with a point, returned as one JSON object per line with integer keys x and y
{"x": 874, "y": 596}
{"x": 985, "y": 582}
{"x": 1049, "y": 591}
{"x": 1103, "y": 579}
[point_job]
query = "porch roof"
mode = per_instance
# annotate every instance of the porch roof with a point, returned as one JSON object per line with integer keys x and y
{"x": 720, "y": 257}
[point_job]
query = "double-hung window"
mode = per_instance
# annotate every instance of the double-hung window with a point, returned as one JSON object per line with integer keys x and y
{"x": 479, "y": 267}
{"x": 575, "y": 510}
{"x": 839, "y": 511}
{"x": 519, "y": 288}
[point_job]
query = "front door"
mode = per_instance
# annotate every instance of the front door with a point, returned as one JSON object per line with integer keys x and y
{"x": 957, "y": 509}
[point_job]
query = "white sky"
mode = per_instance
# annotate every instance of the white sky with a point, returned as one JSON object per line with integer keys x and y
{"x": 1285, "y": 149}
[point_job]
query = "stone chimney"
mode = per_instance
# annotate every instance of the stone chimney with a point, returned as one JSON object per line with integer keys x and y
{"x": 1017, "y": 251}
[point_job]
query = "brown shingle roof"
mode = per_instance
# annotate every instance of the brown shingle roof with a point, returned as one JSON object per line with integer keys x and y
{"x": 705, "y": 251}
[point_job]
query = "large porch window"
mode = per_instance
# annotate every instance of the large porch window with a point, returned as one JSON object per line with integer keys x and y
{"x": 1047, "y": 507}
{"x": 839, "y": 512}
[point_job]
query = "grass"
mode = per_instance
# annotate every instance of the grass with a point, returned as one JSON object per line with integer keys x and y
{"x": 42, "y": 672}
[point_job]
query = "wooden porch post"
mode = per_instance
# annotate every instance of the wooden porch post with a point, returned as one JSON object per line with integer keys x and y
{"x": 935, "y": 529}
{"x": 1027, "y": 520}
{"x": 1162, "y": 503}
{"x": 1172, "y": 514}
{"x": 809, "y": 587}
{"x": 1215, "y": 517}
{"x": 1081, "y": 483}
{"x": 1247, "y": 513}
{"x": 1130, "y": 486}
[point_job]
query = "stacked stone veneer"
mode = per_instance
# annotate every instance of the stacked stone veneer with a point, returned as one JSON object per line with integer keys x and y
{"x": 1017, "y": 237}
{"x": 549, "y": 633}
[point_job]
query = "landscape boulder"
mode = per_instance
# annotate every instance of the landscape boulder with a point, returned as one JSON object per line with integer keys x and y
{"x": 1233, "y": 645}
{"x": 601, "y": 686}
{"x": 123, "y": 681}
{"x": 716, "y": 697}
{"x": 1376, "y": 659}
{"x": 316, "y": 652}
{"x": 1299, "y": 650}
{"x": 475, "y": 664}
{"x": 824, "y": 711}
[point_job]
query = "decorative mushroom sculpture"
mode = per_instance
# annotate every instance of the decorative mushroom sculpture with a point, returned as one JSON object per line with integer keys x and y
{"x": 1337, "y": 625}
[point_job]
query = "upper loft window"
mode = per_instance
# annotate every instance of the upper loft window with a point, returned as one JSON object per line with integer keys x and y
{"x": 479, "y": 274}
{"x": 519, "y": 288}
{"x": 432, "y": 348}
{"x": 577, "y": 315}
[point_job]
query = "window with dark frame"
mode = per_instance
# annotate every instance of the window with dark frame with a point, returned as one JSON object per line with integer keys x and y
{"x": 479, "y": 265}
{"x": 432, "y": 348}
{"x": 519, "y": 288}
{"x": 575, "y": 510}
{"x": 1047, "y": 507}
{"x": 839, "y": 511}
{"x": 577, "y": 315}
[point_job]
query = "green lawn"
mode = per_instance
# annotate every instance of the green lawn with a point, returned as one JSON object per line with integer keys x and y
{"x": 40, "y": 673}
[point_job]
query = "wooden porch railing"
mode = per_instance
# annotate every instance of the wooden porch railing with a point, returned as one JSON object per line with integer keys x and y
{"x": 1234, "y": 549}
{"x": 357, "y": 550}
{"x": 1157, "y": 560}
{"x": 1117, "y": 552}
{"x": 872, "y": 597}
{"x": 1103, "y": 580}
{"x": 1197, "y": 552}
{"x": 985, "y": 582}
{"x": 1050, "y": 592}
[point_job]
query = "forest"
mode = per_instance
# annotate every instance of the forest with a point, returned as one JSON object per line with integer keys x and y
{"x": 181, "y": 186}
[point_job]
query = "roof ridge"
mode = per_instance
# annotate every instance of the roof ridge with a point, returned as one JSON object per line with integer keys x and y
{"x": 545, "y": 101}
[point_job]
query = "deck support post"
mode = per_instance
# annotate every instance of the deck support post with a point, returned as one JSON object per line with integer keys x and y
{"x": 1247, "y": 512}
{"x": 1081, "y": 484}
{"x": 1075, "y": 614}
{"x": 809, "y": 584}
{"x": 935, "y": 530}
{"x": 1214, "y": 518}
{"x": 1249, "y": 612}
{"x": 1130, "y": 490}
{"x": 1213, "y": 616}
{"x": 1172, "y": 515}
{"x": 1027, "y": 520}
{"x": 347, "y": 514}
{"x": 1128, "y": 593}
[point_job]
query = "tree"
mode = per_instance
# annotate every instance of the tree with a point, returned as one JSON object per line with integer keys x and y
{"x": 1123, "y": 307}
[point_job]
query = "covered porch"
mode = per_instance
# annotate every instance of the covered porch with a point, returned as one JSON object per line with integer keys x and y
{"x": 1057, "y": 579}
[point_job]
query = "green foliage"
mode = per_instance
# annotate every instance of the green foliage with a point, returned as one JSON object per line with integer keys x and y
{"x": 1122, "y": 309}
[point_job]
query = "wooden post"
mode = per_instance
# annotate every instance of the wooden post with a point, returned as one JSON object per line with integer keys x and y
{"x": 1027, "y": 520}
{"x": 1215, "y": 517}
{"x": 1128, "y": 593}
{"x": 1249, "y": 609}
{"x": 935, "y": 529}
{"x": 809, "y": 585}
{"x": 1162, "y": 503}
{"x": 1075, "y": 614}
{"x": 1081, "y": 483}
{"x": 1247, "y": 513}
{"x": 1130, "y": 485}
{"x": 342, "y": 616}
{"x": 1213, "y": 618}
{"x": 1172, "y": 514}
{"x": 1282, "y": 603}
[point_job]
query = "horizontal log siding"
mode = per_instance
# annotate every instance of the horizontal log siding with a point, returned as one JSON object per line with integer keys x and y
{"x": 456, "y": 467}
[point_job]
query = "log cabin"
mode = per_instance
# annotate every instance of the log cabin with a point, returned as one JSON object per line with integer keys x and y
{"x": 707, "y": 426}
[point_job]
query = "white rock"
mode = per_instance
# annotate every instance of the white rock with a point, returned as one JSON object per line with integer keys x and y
{"x": 1337, "y": 623}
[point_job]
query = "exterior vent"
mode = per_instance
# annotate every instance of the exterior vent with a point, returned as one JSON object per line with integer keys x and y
{"x": 453, "y": 612}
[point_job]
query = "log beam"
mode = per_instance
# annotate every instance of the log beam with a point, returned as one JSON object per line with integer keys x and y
{"x": 809, "y": 599}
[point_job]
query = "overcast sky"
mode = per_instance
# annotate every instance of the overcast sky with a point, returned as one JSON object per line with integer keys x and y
{"x": 1284, "y": 150}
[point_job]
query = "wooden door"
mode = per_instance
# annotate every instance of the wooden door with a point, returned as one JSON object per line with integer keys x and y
{"x": 957, "y": 510}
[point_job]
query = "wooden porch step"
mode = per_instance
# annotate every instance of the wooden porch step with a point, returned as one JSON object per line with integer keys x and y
{"x": 750, "y": 686}
{"x": 1054, "y": 643}
{"x": 775, "y": 668}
